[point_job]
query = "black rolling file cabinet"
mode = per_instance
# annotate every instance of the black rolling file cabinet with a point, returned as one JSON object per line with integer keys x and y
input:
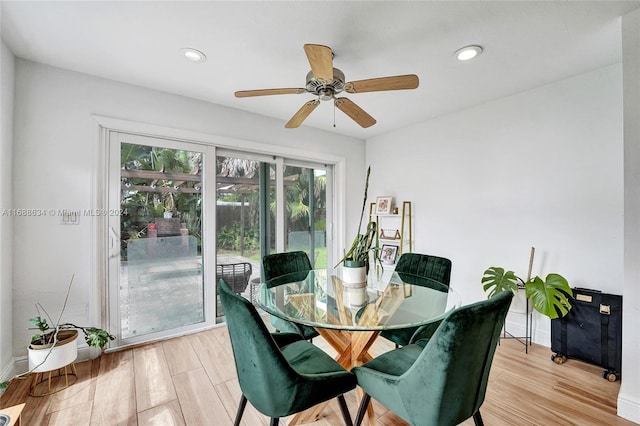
{"x": 591, "y": 331}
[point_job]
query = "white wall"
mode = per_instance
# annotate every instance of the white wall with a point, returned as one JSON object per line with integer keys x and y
{"x": 629, "y": 396}
{"x": 7, "y": 62}
{"x": 541, "y": 168}
{"x": 56, "y": 155}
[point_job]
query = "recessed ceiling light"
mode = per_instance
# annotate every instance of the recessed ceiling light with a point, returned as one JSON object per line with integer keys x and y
{"x": 468, "y": 52}
{"x": 193, "y": 55}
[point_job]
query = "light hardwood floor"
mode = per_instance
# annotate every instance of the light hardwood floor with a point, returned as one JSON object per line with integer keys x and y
{"x": 191, "y": 380}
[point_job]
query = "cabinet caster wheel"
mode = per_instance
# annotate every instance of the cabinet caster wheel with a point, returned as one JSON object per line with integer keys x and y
{"x": 558, "y": 359}
{"x": 610, "y": 375}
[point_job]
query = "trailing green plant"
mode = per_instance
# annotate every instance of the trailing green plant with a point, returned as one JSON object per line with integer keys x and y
{"x": 93, "y": 336}
{"x": 48, "y": 334}
{"x": 363, "y": 243}
{"x": 548, "y": 296}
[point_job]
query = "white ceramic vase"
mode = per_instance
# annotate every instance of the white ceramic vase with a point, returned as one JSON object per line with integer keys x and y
{"x": 354, "y": 272}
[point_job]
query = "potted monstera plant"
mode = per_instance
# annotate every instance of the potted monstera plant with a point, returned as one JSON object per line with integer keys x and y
{"x": 356, "y": 261}
{"x": 548, "y": 296}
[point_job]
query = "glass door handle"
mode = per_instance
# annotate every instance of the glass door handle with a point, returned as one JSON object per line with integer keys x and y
{"x": 114, "y": 246}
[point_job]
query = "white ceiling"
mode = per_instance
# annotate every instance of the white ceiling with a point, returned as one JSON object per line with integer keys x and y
{"x": 259, "y": 45}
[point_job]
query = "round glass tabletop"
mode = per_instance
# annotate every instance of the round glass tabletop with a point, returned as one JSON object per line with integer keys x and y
{"x": 390, "y": 300}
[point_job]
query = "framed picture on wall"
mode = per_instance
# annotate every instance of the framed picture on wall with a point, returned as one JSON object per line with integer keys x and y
{"x": 383, "y": 205}
{"x": 388, "y": 254}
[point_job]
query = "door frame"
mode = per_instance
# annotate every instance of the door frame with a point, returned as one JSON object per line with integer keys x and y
{"x": 106, "y": 125}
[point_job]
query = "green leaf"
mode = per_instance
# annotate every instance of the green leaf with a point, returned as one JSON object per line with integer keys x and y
{"x": 497, "y": 280}
{"x": 40, "y": 323}
{"x": 549, "y": 297}
{"x": 96, "y": 337}
{"x": 362, "y": 245}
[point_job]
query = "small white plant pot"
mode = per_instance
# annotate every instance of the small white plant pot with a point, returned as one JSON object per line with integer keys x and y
{"x": 52, "y": 358}
{"x": 354, "y": 274}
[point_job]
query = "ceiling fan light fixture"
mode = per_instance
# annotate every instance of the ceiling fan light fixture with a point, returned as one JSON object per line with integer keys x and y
{"x": 468, "y": 52}
{"x": 193, "y": 55}
{"x": 325, "y": 94}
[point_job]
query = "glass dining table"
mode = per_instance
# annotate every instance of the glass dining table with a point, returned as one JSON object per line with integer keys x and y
{"x": 351, "y": 316}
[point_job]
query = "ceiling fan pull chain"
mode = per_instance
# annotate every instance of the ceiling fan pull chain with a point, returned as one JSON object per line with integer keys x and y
{"x": 334, "y": 114}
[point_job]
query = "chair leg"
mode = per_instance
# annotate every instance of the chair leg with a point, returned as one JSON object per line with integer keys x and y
{"x": 274, "y": 421}
{"x": 363, "y": 409}
{"x": 477, "y": 418}
{"x": 240, "y": 412}
{"x": 344, "y": 410}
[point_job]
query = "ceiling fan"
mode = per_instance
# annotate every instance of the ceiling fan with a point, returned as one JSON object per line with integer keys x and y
{"x": 325, "y": 81}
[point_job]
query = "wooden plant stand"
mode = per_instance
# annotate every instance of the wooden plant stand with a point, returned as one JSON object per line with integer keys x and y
{"x": 38, "y": 388}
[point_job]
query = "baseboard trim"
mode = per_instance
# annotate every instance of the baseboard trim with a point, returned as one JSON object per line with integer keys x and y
{"x": 628, "y": 409}
{"x": 18, "y": 366}
{"x": 540, "y": 337}
{"x": 8, "y": 372}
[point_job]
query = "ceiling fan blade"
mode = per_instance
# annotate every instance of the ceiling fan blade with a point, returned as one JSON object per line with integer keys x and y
{"x": 398, "y": 82}
{"x": 302, "y": 114}
{"x": 265, "y": 92}
{"x": 321, "y": 61}
{"x": 356, "y": 113}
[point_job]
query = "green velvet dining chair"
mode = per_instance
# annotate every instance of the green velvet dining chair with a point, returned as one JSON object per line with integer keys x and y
{"x": 423, "y": 265}
{"x": 444, "y": 382}
{"x": 279, "y": 379}
{"x": 277, "y": 264}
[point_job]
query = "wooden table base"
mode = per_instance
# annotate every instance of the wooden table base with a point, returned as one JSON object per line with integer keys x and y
{"x": 353, "y": 350}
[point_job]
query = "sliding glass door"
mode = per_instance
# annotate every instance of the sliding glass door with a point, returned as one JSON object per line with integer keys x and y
{"x": 245, "y": 212}
{"x": 306, "y": 212}
{"x": 190, "y": 214}
{"x": 158, "y": 255}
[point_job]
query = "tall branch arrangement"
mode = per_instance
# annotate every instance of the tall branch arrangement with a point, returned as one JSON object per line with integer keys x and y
{"x": 363, "y": 243}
